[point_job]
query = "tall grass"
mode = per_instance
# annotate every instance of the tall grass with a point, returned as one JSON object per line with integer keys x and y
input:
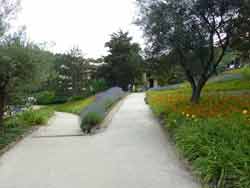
{"x": 218, "y": 149}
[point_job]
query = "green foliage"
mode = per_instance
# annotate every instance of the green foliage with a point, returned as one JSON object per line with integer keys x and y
{"x": 73, "y": 73}
{"x": 24, "y": 67}
{"x": 30, "y": 118}
{"x": 46, "y": 97}
{"x": 91, "y": 120}
{"x": 217, "y": 148}
{"x": 123, "y": 64}
{"x": 187, "y": 31}
{"x": 212, "y": 135}
{"x": 97, "y": 86}
{"x": 16, "y": 126}
{"x": 164, "y": 70}
{"x": 241, "y": 41}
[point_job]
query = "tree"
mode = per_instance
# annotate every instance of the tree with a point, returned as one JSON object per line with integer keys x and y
{"x": 72, "y": 73}
{"x": 162, "y": 69}
{"x": 122, "y": 65}
{"x": 241, "y": 41}
{"x": 197, "y": 31}
{"x": 20, "y": 67}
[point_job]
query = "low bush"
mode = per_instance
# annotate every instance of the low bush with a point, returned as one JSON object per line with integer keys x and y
{"x": 30, "y": 118}
{"x": 97, "y": 86}
{"x": 16, "y": 126}
{"x": 45, "y": 97}
{"x": 90, "y": 121}
{"x": 60, "y": 100}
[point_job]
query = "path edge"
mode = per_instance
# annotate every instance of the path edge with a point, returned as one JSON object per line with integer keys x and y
{"x": 20, "y": 138}
{"x": 110, "y": 115}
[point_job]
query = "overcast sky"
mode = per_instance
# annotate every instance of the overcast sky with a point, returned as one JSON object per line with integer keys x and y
{"x": 84, "y": 23}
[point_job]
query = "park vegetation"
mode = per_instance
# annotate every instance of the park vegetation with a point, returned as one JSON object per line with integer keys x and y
{"x": 213, "y": 134}
{"x": 196, "y": 34}
{"x": 204, "y": 37}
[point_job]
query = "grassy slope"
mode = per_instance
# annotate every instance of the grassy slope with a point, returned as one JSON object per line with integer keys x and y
{"x": 213, "y": 135}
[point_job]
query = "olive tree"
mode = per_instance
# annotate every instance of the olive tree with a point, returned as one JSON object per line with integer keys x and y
{"x": 197, "y": 31}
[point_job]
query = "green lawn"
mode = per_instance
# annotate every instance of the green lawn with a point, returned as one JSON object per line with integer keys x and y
{"x": 74, "y": 107}
{"x": 218, "y": 86}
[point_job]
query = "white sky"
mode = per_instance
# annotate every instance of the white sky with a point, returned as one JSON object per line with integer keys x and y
{"x": 84, "y": 23}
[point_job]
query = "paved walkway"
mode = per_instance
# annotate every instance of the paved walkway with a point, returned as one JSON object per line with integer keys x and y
{"x": 132, "y": 153}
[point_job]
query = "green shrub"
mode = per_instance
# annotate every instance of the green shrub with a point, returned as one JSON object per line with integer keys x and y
{"x": 76, "y": 98}
{"x": 14, "y": 127}
{"x": 60, "y": 99}
{"x": 30, "y": 118}
{"x": 46, "y": 97}
{"x": 98, "y": 86}
{"x": 38, "y": 117}
{"x": 90, "y": 121}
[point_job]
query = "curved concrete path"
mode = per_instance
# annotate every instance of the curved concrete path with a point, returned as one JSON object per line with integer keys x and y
{"x": 132, "y": 153}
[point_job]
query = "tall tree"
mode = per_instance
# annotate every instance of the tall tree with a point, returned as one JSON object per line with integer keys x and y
{"x": 197, "y": 31}
{"x": 122, "y": 65}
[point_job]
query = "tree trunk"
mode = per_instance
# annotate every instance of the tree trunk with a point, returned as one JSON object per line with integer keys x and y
{"x": 2, "y": 105}
{"x": 196, "y": 90}
{"x": 196, "y": 95}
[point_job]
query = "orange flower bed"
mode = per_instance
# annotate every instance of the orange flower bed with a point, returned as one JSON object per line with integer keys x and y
{"x": 209, "y": 106}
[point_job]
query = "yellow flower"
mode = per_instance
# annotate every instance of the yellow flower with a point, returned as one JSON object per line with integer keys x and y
{"x": 183, "y": 113}
{"x": 245, "y": 112}
{"x": 193, "y": 116}
{"x": 187, "y": 115}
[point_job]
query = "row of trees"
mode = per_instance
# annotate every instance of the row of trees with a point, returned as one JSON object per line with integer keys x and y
{"x": 196, "y": 34}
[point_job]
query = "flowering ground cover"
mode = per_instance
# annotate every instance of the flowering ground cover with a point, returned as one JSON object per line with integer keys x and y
{"x": 212, "y": 135}
{"x": 98, "y": 109}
